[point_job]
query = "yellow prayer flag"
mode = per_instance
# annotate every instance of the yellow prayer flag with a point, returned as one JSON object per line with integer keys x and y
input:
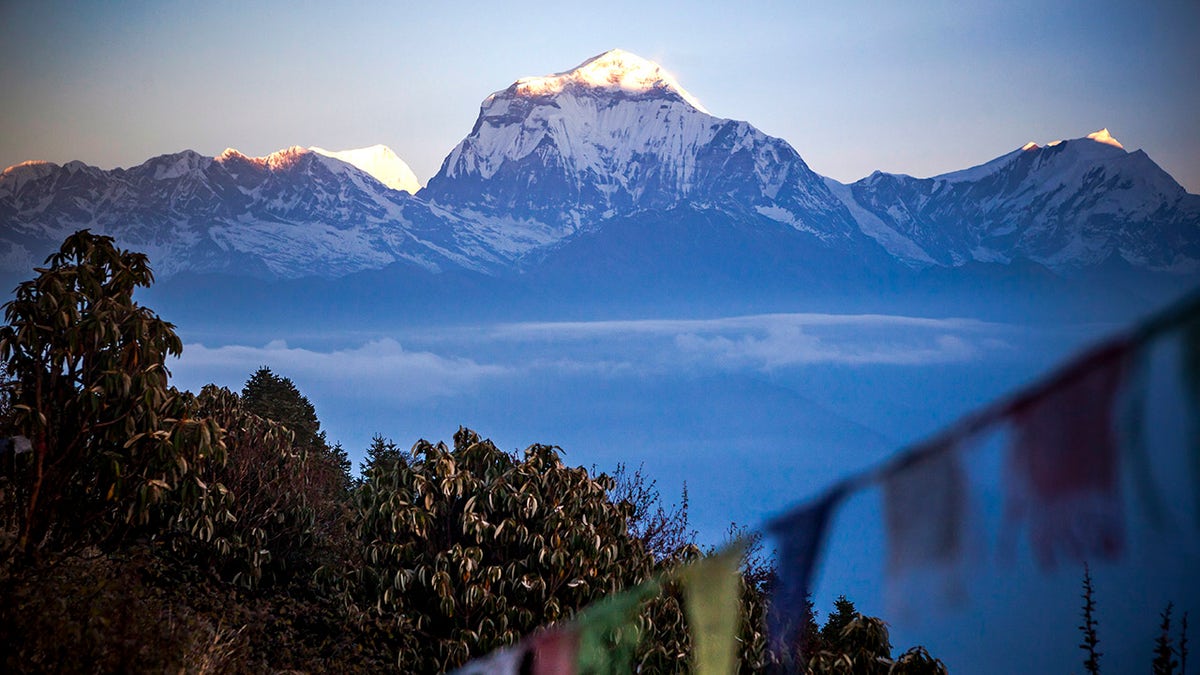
{"x": 712, "y": 589}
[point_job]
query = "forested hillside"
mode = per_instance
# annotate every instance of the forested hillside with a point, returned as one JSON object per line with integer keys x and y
{"x": 153, "y": 529}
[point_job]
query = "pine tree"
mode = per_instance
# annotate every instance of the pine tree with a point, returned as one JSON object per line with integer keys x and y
{"x": 843, "y": 613}
{"x": 382, "y": 454}
{"x": 1164, "y": 651}
{"x": 811, "y": 640}
{"x": 1183, "y": 645}
{"x": 1090, "y": 640}
{"x": 277, "y": 398}
{"x": 854, "y": 643}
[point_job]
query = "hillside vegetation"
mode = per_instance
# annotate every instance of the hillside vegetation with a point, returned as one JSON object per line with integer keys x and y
{"x": 143, "y": 528}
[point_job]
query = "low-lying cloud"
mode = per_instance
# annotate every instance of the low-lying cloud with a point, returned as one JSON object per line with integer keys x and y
{"x": 590, "y": 329}
{"x": 769, "y": 341}
{"x": 457, "y": 364}
{"x": 790, "y": 346}
{"x": 407, "y": 375}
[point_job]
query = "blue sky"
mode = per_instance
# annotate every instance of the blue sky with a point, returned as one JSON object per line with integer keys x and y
{"x": 918, "y": 88}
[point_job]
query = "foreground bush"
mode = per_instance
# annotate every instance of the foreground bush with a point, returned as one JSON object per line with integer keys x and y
{"x": 466, "y": 550}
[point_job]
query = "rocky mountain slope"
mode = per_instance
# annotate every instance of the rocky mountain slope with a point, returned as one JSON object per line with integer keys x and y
{"x": 293, "y": 213}
{"x": 1070, "y": 205}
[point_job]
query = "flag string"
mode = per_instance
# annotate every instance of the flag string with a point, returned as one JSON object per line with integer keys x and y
{"x": 1052, "y": 481}
{"x": 1168, "y": 320}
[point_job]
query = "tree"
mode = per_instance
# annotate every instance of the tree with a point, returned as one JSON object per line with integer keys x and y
{"x": 87, "y": 385}
{"x": 467, "y": 550}
{"x": 664, "y": 532}
{"x": 1090, "y": 638}
{"x": 1164, "y": 651}
{"x": 1183, "y": 649}
{"x": 843, "y": 614}
{"x": 381, "y": 455}
{"x": 276, "y": 398}
{"x": 860, "y": 645}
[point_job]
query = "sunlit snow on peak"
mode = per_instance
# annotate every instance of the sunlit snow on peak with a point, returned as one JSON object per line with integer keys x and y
{"x": 1103, "y": 136}
{"x": 381, "y": 163}
{"x": 616, "y": 70}
{"x": 280, "y": 159}
{"x": 377, "y": 160}
{"x": 30, "y": 163}
{"x": 14, "y": 177}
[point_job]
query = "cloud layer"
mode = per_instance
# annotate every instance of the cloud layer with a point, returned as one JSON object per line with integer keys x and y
{"x": 451, "y": 364}
{"x": 766, "y": 341}
{"x": 379, "y": 367}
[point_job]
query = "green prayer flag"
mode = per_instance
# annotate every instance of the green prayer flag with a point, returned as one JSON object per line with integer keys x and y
{"x": 711, "y": 589}
{"x": 608, "y": 631}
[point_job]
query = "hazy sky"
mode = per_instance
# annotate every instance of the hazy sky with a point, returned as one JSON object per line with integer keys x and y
{"x": 918, "y": 88}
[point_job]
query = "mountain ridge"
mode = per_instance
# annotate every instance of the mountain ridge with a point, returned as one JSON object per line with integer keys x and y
{"x": 1068, "y": 205}
{"x": 616, "y": 143}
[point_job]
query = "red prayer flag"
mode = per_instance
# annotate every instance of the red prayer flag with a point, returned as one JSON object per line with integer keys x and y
{"x": 1064, "y": 463}
{"x": 555, "y": 652}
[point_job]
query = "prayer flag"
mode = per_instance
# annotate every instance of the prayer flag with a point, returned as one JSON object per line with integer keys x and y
{"x": 924, "y": 504}
{"x": 1063, "y": 464}
{"x": 799, "y": 536}
{"x": 505, "y": 661}
{"x": 712, "y": 589}
{"x": 1190, "y": 337}
{"x": 608, "y": 631}
{"x": 1133, "y": 439}
{"x": 553, "y": 652}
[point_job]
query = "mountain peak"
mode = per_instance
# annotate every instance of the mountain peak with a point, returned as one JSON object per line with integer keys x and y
{"x": 30, "y": 167}
{"x": 174, "y": 165}
{"x": 1103, "y": 136}
{"x": 614, "y": 70}
{"x": 381, "y": 163}
{"x": 280, "y": 159}
{"x": 14, "y": 177}
{"x": 287, "y": 157}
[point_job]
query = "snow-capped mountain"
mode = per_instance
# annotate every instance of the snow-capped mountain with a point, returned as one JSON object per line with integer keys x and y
{"x": 610, "y": 170}
{"x": 293, "y": 213}
{"x": 1069, "y": 205}
{"x": 551, "y": 155}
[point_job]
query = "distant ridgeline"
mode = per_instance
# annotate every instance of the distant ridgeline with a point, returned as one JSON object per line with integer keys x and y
{"x": 611, "y": 178}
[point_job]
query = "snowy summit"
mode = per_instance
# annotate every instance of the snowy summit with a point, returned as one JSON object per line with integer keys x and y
{"x": 1103, "y": 136}
{"x": 381, "y": 163}
{"x": 615, "y": 135}
{"x": 614, "y": 70}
